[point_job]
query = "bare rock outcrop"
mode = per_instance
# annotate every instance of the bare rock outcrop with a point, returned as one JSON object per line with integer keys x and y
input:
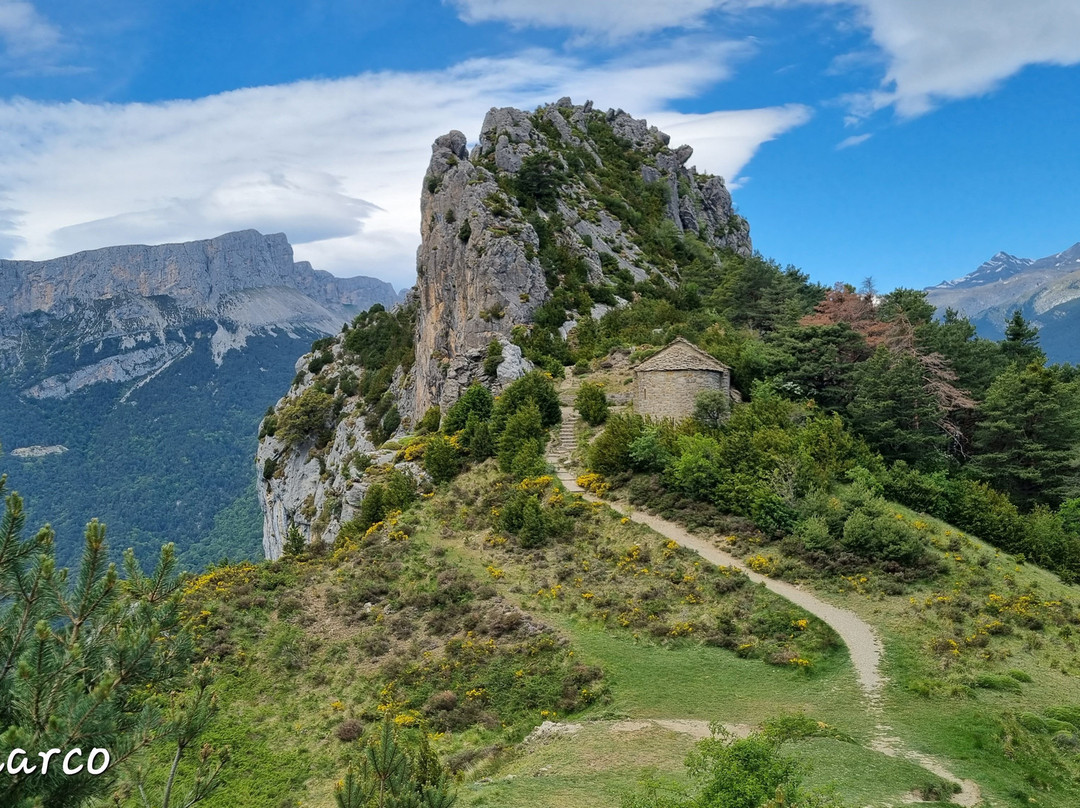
{"x": 482, "y": 268}
{"x": 551, "y": 218}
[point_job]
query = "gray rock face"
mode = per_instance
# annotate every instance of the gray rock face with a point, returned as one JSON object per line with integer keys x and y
{"x": 478, "y": 271}
{"x": 319, "y": 490}
{"x": 194, "y": 274}
{"x": 135, "y": 300}
{"x": 474, "y": 278}
{"x": 480, "y": 277}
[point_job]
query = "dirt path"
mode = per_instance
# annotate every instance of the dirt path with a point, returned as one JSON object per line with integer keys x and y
{"x": 861, "y": 640}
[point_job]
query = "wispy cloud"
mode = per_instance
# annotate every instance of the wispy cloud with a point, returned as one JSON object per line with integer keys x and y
{"x": 854, "y": 140}
{"x": 725, "y": 141}
{"x": 938, "y": 52}
{"x": 337, "y": 165}
{"x": 609, "y": 18}
{"x": 24, "y": 31}
{"x": 932, "y": 52}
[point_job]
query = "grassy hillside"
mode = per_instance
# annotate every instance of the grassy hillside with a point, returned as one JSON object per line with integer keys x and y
{"x": 981, "y": 657}
{"x": 440, "y": 620}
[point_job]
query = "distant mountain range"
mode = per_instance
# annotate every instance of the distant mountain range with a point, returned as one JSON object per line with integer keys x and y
{"x": 1045, "y": 290}
{"x": 133, "y": 378}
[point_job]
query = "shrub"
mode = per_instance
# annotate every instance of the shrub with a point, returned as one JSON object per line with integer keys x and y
{"x": 269, "y": 425}
{"x": 349, "y": 730}
{"x": 610, "y": 451}
{"x": 651, "y": 451}
{"x": 995, "y": 681}
{"x": 477, "y": 400}
{"x": 269, "y": 467}
{"x": 305, "y": 415}
{"x": 711, "y": 407}
{"x": 441, "y": 459}
{"x": 813, "y": 533}
{"x": 874, "y": 532}
{"x": 348, "y": 383}
{"x": 430, "y": 421}
{"x": 591, "y": 402}
{"x": 399, "y": 490}
{"x": 493, "y": 359}
{"x": 319, "y": 361}
{"x": 390, "y": 422}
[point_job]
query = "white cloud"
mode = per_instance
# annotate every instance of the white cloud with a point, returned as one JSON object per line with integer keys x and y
{"x": 337, "y": 165}
{"x": 724, "y": 142}
{"x": 612, "y": 18}
{"x": 23, "y": 30}
{"x": 854, "y": 140}
{"x": 933, "y": 51}
{"x": 940, "y": 51}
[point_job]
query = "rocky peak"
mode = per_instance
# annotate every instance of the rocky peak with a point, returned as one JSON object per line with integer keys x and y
{"x": 121, "y": 312}
{"x": 493, "y": 251}
{"x": 551, "y": 218}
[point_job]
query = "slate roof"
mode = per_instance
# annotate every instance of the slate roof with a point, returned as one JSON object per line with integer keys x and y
{"x": 681, "y": 355}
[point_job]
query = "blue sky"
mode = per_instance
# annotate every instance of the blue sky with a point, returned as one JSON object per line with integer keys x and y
{"x": 906, "y": 140}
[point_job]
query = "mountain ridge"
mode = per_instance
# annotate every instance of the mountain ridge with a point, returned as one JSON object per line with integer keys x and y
{"x": 156, "y": 362}
{"x": 1045, "y": 290}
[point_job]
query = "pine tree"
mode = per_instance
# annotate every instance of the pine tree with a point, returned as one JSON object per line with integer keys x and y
{"x": 591, "y": 402}
{"x": 1027, "y": 435}
{"x": 524, "y": 425}
{"x": 477, "y": 438}
{"x": 535, "y": 387}
{"x": 1021, "y": 341}
{"x": 83, "y": 659}
{"x": 476, "y": 400}
{"x": 894, "y": 411}
{"x": 294, "y": 542}
{"x": 441, "y": 459}
{"x": 533, "y": 530}
{"x": 373, "y": 506}
{"x": 390, "y": 777}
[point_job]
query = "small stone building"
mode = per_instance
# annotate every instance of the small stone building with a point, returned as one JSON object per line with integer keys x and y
{"x": 666, "y": 384}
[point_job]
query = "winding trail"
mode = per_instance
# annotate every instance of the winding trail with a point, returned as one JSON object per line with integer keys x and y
{"x": 862, "y": 641}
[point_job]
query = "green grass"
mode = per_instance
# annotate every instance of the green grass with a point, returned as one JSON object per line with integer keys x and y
{"x": 961, "y": 705}
{"x": 281, "y": 722}
{"x": 597, "y": 766}
{"x": 648, "y": 680}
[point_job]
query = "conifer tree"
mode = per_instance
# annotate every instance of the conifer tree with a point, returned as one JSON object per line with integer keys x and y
{"x": 1021, "y": 341}
{"x": 524, "y": 425}
{"x": 294, "y": 542}
{"x": 893, "y": 410}
{"x": 83, "y": 659}
{"x": 390, "y": 777}
{"x": 1026, "y": 439}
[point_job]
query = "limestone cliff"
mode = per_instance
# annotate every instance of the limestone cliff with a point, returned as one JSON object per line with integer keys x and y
{"x": 119, "y": 312}
{"x": 551, "y": 219}
{"x": 543, "y": 197}
{"x": 153, "y": 365}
